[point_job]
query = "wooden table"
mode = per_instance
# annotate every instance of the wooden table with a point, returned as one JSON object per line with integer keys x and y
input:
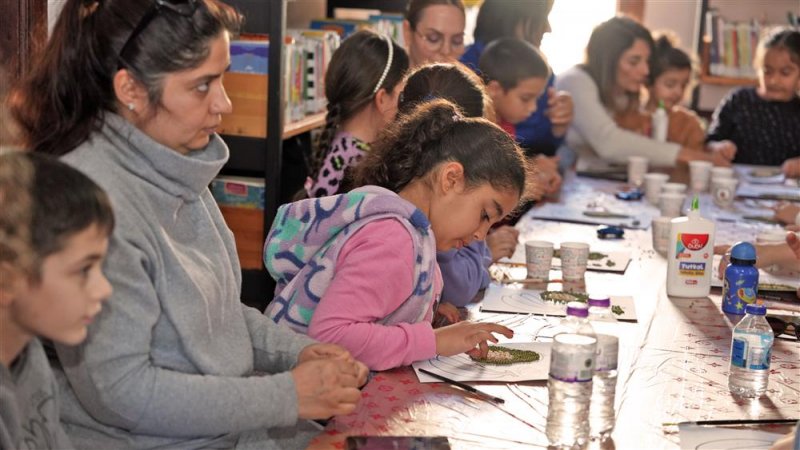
{"x": 673, "y": 365}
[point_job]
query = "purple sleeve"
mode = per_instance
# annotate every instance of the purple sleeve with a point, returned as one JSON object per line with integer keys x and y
{"x": 465, "y": 272}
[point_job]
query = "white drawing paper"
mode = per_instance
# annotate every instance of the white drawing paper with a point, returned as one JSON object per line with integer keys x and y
{"x": 463, "y": 368}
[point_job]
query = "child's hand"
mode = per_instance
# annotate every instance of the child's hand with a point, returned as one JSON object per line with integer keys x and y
{"x": 328, "y": 387}
{"x": 502, "y": 242}
{"x": 786, "y": 213}
{"x": 794, "y": 243}
{"x": 722, "y": 152}
{"x": 560, "y": 110}
{"x": 449, "y": 312}
{"x": 465, "y": 336}
{"x": 791, "y": 167}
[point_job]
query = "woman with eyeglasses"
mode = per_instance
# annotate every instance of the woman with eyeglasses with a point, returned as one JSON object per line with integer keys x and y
{"x": 434, "y": 31}
{"x": 130, "y": 92}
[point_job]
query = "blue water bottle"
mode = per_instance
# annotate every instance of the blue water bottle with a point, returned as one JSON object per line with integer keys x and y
{"x": 740, "y": 286}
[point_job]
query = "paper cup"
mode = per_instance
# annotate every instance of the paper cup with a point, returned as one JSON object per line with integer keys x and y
{"x": 722, "y": 172}
{"x": 652, "y": 186}
{"x": 538, "y": 259}
{"x": 660, "y": 229}
{"x": 574, "y": 257}
{"x": 700, "y": 175}
{"x": 671, "y": 205}
{"x": 637, "y": 168}
{"x": 724, "y": 192}
{"x": 674, "y": 188}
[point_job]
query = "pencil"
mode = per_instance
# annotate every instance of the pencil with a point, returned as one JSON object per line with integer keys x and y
{"x": 733, "y": 422}
{"x": 463, "y": 386}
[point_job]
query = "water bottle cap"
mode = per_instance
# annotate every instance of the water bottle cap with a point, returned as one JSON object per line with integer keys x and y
{"x": 577, "y": 309}
{"x": 744, "y": 252}
{"x": 756, "y": 310}
{"x": 600, "y": 300}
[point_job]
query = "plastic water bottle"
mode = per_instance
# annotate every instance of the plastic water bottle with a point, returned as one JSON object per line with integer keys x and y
{"x": 750, "y": 353}
{"x": 740, "y": 283}
{"x": 577, "y": 319}
{"x": 660, "y": 123}
{"x": 604, "y": 382}
{"x": 570, "y": 388}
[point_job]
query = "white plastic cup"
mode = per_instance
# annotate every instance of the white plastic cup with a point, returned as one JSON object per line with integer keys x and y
{"x": 724, "y": 191}
{"x": 700, "y": 175}
{"x": 673, "y": 188}
{"x": 538, "y": 259}
{"x": 652, "y": 186}
{"x": 722, "y": 172}
{"x": 671, "y": 205}
{"x": 637, "y": 168}
{"x": 660, "y": 229}
{"x": 574, "y": 258}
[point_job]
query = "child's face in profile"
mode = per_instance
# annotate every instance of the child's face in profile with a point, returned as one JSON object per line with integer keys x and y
{"x": 463, "y": 216}
{"x": 670, "y": 86}
{"x": 518, "y": 103}
{"x": 778, "y": 76}
{"x": 70, "y": 290}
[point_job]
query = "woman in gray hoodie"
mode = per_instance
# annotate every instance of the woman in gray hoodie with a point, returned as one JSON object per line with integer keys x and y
{"x": 130, "y": 92}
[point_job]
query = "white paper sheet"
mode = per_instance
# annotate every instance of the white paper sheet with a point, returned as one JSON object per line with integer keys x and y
{"x": 698, "y": 437}
{"x": 462, "y": 368}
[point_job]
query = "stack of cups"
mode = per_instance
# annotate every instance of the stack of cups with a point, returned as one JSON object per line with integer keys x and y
{"x": 671, "y": 204}
{"x": 700, "y": 175}
{"x": 660, "y": 228}
{"x": 538, "y": 259}
{"x": 653, "y": 182}
{"x": 723, "y": 186}
{"x": 574, "y": 258}
{"x": 637, "y": 168}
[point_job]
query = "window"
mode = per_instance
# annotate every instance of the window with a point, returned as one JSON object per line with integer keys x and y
{"x": 572, "y": 23}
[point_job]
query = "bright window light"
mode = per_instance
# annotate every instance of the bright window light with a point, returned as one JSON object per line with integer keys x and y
{"x": 572, "y": 22}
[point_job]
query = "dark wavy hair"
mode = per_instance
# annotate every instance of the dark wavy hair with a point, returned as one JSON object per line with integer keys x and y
{"x": 453, "y": 82}
{"x": 416, "y": 7}
{"x": 354, "y": 71}
{"x": 608, "y": 42}
{"x": 70, "y": 88}
{"x": 436, "y": 132}
{"x": 509, "y": 61}
{"x": 61, "y": 203}
{"x": 780, "y": 38}
{"x": 667, "y": 56}
{"x": 500, "y": 18}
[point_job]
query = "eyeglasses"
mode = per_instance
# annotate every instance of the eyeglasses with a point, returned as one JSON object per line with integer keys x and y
{"x": 435, "y": 40}
{"x": 185, "y": 8}
{"x": 780, "y": 326}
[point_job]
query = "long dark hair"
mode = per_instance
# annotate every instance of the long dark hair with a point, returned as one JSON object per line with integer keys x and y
{"x": 500, "y": 18}
{"x": 666, "y": 56}
{"x": 453, "y": 82}
{"x": 416, "y": 7}
{"x": 436, "y": 132}
{"x": 61, "y": 203}
{"x": 608, "y": 42}
{"x": 71, "y": 87}
{"x": 350, "y": 83}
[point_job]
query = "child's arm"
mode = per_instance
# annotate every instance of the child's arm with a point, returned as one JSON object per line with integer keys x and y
{"x": 374, "y": 276}
{"x": 720, "y": 131}
{"x": 791, "y": 167}
{"x": 464, "y": 272}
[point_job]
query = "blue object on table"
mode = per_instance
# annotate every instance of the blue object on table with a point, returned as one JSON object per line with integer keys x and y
{"x": 610, "y": 232}
{"x": 631, "y": 195}
{"x": 740, "y": 284}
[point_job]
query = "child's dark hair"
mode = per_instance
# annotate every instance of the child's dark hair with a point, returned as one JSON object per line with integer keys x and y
{"x": 352, "y": 80}
{"x": 509, "y": 61}
{"x": 63, "y": 202}
{"x": 666, "y": 56}
{"x": 608, "y": 42}
{"x": 436, "y": 132}
{"x": 416, "y": 7}
{"x": 453, "y": 82}
{"x": 71, "y": 86}
{"x": 780, "y": 38}
{"x": 501, "y": 18}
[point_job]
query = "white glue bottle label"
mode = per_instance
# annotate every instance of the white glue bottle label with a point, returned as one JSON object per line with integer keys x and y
{"x": 691, "y": 253}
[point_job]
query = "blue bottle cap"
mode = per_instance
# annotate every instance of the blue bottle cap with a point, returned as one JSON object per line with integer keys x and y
{"x": 744, "y": 252}
{"x": 577, "y": 309}
{"x": 600, "y": 300}
{"x": 756, "y": 310}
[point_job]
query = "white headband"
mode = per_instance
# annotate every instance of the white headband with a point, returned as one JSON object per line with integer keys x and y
{"x": 388, "y": 64}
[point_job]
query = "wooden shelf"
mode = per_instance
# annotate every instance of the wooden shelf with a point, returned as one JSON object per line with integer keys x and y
{"x": 305, "y": 124}
{"x": 728, "y": 81}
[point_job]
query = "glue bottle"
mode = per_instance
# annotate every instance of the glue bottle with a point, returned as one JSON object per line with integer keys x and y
{"x": 660, "y": 123}
{"x": 691, "y": 253}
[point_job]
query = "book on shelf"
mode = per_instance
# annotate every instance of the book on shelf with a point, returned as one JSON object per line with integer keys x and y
{"x": 732, "y": 45}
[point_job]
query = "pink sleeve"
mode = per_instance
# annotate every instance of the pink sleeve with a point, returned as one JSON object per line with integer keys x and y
{"x": 374, "y": 276}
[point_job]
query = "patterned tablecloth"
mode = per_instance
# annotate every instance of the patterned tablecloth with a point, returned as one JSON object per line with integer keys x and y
{"x": 673, "y": 362}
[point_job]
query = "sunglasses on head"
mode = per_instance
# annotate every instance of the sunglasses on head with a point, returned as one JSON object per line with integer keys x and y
{"x": 780, "y": 326}
{"x": 185, "y": 8}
